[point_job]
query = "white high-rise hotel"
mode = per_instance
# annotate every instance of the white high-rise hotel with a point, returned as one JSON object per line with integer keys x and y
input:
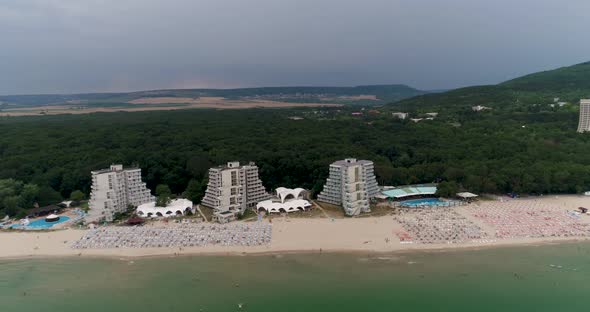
{"x": 584, "y": 123}
{"x": 351, "y": 184}
{"x": 234, "y": 188}
{"x": 114, "y": 189}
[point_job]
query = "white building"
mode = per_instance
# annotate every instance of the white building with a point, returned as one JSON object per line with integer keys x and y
{"x": 480, "y": 108}
{"x": 234, "y": 188}
{"x": 351, "y": 184}
{"x": 286, "y": 200}
{"x": 114, "y": 189}
{"x": 400, "y": 115}
{"x": 584, "y": 123}
{"x": 176, "y": 207}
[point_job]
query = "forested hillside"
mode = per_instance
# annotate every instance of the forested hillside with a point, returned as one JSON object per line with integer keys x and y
{"x": 531, "y": 93}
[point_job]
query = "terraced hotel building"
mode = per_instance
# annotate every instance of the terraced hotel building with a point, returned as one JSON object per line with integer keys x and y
{"x": 351, "y": 184}
{"x": 113, "y": 190}
{"x": 234, "y": 188}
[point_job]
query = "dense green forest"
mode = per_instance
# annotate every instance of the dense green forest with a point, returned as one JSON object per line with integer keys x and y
{"x": 520, "y": 152}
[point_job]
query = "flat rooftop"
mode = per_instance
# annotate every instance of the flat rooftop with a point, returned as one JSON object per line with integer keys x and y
{"x": 351, "y": 162}
{"x": 411, "y": 190}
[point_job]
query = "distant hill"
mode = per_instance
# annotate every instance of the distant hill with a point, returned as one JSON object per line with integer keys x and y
{"x": 370, "y": 94}
{"x": 531, "y": 92}
{"x": 565, "y": 80}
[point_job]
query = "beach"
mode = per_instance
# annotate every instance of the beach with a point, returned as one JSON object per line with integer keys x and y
{"x": 297, "y": 235}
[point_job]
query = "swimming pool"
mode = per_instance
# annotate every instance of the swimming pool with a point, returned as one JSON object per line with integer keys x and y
{"x": 41, "y": 223}
{"x": 425, "y": 202}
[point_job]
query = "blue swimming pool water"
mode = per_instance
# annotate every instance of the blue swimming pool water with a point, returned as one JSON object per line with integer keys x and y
{"x": 42, "y": 224}
{"x": 425, "y": 202}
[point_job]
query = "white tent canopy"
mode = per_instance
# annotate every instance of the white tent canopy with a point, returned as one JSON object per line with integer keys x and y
{"x": 287, "y": 200}
{"x": 52, "y": 217}
{"x": 466, "y": 195}
{"x": 176, "y": 207}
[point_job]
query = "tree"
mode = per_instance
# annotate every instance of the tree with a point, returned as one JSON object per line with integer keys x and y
{"x": 447, "y": 189}
{"x": 163, "y": 194}
{"x": 48, "y": 196}
{"x": 195, "y": 190}
{"x": 10, "y": 187}
{"x": 11, "y": 205}
{"x": 198, "y": 165}
{"x": 77, "y": 195}
{"x": 29, "y": 195}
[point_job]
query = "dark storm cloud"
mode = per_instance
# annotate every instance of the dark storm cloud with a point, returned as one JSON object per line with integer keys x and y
{"x": 114, "y": 45}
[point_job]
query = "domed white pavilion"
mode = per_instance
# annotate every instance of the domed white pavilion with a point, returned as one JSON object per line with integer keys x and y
{"x": 177, "y": 207}
{"x": 287, "y": 200}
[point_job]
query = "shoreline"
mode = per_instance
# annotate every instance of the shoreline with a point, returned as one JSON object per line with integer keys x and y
{"x": 159, "y": 253}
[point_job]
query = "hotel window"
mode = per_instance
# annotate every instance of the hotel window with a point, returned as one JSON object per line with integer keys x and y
{"x": 234, "y": 178}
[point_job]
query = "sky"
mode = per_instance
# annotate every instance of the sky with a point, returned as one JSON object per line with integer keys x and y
{"x": 75, "y": 46}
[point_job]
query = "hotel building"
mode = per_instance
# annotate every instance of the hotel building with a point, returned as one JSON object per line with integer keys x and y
{"x": 584, "y": 123}
{"x": 113, "y": 190}
{"x": 234, "y": 188}
{"x": 351, "y": 184}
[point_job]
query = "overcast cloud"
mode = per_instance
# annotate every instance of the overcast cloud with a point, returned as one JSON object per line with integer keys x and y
{"x": 62, "y": 46}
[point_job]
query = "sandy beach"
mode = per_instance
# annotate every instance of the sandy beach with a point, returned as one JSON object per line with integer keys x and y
{"x": 292, "y": 235}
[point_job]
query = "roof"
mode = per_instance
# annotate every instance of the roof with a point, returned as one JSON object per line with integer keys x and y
{"x": 49, "y": 208}
{"x": 466, "y": 195}
{"x": 233, "y": 165}
{"x": 283, "y": 193}
{"x": 111, "y": 169}
{"x": 175, "y": 205}
{"x": 289, "y": 206}
{"x": 225, "y": 214}
{"x": 410, "y": 190}
{"x": 351, "y": 162}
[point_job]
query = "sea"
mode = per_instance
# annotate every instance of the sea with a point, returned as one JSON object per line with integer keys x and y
{"x": 530, "y": 278}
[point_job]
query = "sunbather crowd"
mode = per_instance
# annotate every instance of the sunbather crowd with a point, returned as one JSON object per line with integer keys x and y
{"x": 509, "y": 219}
{"x": 182, "y": 235}
{"x": 436, "y": 225}
{"x": 530, "y": 218}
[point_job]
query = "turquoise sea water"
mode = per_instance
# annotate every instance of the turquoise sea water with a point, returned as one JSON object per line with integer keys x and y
{"x": 547, "y": 278}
